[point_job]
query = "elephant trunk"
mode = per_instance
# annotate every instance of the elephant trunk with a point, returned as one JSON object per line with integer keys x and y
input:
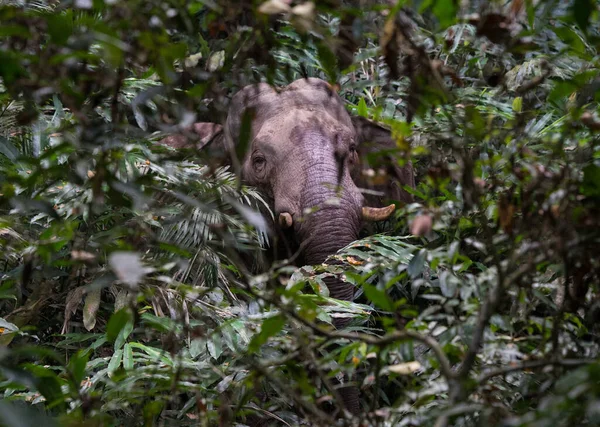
{"x": 330, "y": 230}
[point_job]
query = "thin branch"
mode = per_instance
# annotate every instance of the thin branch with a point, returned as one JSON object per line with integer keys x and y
{"x": 558, "y": 317}
{"x": 532, "y": 364}
{"x": 464, "y": 408}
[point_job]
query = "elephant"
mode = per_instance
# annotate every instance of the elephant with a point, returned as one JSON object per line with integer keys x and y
{"x": 309, "y": 157}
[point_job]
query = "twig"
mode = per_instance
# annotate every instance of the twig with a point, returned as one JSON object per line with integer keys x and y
{"x": 532, "y": 364}
{"x": 534, "y": 82}
{"x": 442, "y": 420}
{"x": 558, "y": 317}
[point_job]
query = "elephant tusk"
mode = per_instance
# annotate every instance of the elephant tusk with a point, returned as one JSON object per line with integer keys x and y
{"x": 285, "y": 220}
{"x": 377, "y": 214}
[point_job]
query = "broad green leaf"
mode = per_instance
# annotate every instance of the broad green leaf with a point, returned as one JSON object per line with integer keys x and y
{"x": 152, "y": 410}
{"x": 582, "y": 9}
{"x": 591, "y": 181}
{"x": 448, "y": 284}
{"x": 153, "y": 353}
{"x": 115, "y": 361}
{"x": 446, "y": 12}
{"x": 9, "y": 150}
{"x": 530, "y": 9}
{"x": 417, "y": 264}
{"x": 124, "y": 334}
{"x": 328, "y": 61}
{"x": 127, "y": 357}
{"x": 378, "y": 297}
{"x": 269, "y": 328}
{"x": 60, "y": 27}
{"x": 517, "y": 104}
{"x": 49, "y": 385}
{"x": 77, "y": 366}
{"x": 214, "y": 346}
{"x": 117, "y": 322}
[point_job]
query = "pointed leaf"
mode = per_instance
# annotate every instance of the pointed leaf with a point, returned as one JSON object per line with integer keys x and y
{"x": 90, "y": 308}
{"x": 270, "y": 327}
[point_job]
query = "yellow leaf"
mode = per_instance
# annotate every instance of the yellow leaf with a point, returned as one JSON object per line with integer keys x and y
{"x": 273, "y": 7}
{"x": 405, "y": 368}
{"x": 354, "y": 261}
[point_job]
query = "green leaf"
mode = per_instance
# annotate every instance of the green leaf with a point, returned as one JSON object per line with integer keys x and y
{"x": 446, "y": 12}
{"x": 448, "y": 284}
{"x": 10, "y": 67}
{"x": 77, "y": 366}
{"x": 571, "y": 38}
{"x": 362, "y": 109}
{"x": 151, "y": 411}
{"x": 124, "y": 334}
{"x": 591, "y": 181}
{"x": 561, "y": 90}
{"x": 530, "y": 13}
{"x": 328, "y": 61}
{"x": 154, "y": 353}
{"x": 14, "y": 30}
{"x": 417, "y": 264}
{"x": 9, "y": 150}
{"x": 117, "y": 322}
{"x": 49, "y": 385}
{"x": 127, "y": 357}
{"x": 115, "y": 361}
{"x": 517, "y": 104}
{"x": 60, "y": 27}
{"x": 215, "y": 346}
{"x": 270, "y": 327}
{"x": 582, "y": 10}
{"x": 378, "y": 297}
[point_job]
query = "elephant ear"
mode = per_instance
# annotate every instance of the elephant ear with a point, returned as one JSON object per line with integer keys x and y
{"x": 204, "y": 136}
{"x": 376, "y": 149}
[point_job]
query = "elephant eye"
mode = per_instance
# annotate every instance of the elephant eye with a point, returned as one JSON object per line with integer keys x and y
{"x": 259, "y": 162}
{"x": 352, "y": 148}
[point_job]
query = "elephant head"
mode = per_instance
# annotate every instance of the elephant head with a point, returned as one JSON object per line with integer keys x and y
{"x": 307, "y": 155}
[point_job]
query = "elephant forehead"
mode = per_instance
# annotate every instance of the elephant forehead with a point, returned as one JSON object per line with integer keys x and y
{"x": 292, "y": 127}
{"x": 302, "y": 97}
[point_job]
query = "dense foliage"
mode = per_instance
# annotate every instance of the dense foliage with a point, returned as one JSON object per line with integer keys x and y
{"x": 135, "y": 289}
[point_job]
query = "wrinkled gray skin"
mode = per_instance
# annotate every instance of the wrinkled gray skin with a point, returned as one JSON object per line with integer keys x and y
{"x": 303, "y": 152}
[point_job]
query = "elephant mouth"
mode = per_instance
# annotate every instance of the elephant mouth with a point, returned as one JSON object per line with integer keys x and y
{"x": 286, "y": 220}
